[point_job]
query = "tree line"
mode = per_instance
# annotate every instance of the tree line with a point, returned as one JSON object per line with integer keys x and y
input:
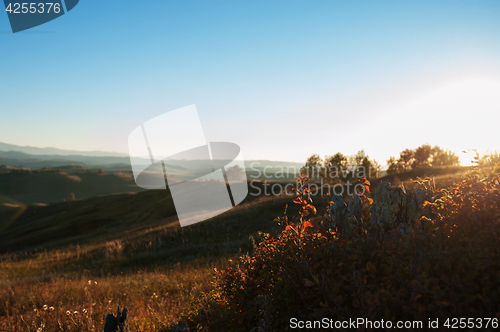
{"x": 422, "y": 157}
{"x": 340, "y": 168}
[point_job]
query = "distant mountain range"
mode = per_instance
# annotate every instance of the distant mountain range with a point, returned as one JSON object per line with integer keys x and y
{"x": 54, "y": 151}
{"x": 36, "y": 158}
{"x": 18, "y": 159}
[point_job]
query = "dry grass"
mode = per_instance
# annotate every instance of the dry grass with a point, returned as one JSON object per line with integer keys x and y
{"x": 442, "y": 177}
{"x": 38, "y": 295}
{"x": 440, "y": 181}
{"x": 153, "y": 267}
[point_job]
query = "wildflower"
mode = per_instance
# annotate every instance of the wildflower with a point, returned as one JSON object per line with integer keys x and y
{"x": 95, "y": 282}
{"x": 33, "y": 323}
{"x": 39, "y": 329}
{"x": 68, "y": 313}
{"x": 35, "y": 310}
{"x": 84, "y": 310}
{"x": 75, "y": 312}
{"x": 45, "y": 307}
{"x": 90, "y": 282}
{"x": 51, "y": 308}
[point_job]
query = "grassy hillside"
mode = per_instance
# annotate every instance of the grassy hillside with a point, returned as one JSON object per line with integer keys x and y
{"x": 102, "y": 218}
{"x": 129, "y": 246}
{"x": 439, "y": 173}
{"x": 54, "y": 187}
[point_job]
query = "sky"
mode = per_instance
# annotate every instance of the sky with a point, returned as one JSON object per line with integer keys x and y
{"x": 282, "y": 79}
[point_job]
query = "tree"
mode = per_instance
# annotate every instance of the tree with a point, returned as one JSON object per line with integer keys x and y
{"x": 393, "y": 168}
{"x": 406, "y": 158}
{"x": 490, "y": 159}
{"x": 357, "y": 159}
{"x": 375, "y": 170}
{"x": 362, "y": 166}
{"x": 368, "y": 168}
{"x": 442, "y": 158}
{"x": 355, "y": 162}
{"x": 422, "y": 156}
{"x": 335, "y": 166}
{"x": 312, "y": 167}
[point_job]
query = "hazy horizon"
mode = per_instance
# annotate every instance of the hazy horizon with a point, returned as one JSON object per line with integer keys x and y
{"x": 103, "y": 154}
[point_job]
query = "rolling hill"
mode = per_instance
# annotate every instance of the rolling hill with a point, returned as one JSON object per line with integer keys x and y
{"x": 28, "y": 188}
{"x": 130, "y": 217}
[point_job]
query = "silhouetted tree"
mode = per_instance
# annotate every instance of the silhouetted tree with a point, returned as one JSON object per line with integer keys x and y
{"x": 312, "y": 167}
{"x": 421, "y": 156}
{"x": 441, "y": 157}
{"x": 393, "y": 166}
{"x": 406, "y": 158}
{"x": 335, "y": 167}
{"x": 373, "y": 168}
{"x": 362, "y": 166}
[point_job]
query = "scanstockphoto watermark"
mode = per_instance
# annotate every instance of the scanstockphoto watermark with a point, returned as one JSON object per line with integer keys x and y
{"x": 334, "y": 180}
{"x": 328, "y": 323}
{"x": 364, "y": 323}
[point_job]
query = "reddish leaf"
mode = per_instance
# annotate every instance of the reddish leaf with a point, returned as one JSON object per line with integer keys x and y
{"x": 306, "y": 225}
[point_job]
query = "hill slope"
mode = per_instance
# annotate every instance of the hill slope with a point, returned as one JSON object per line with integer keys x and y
{"x": 135, "y": 218}
{"x": 47, "y": 188}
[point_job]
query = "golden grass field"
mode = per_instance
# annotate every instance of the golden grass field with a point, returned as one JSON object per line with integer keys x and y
{"x": 67, "y": 278}
{"x": 67, "y": 275}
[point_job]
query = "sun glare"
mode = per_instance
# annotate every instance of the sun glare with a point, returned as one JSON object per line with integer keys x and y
{"x": 458, "y": 114}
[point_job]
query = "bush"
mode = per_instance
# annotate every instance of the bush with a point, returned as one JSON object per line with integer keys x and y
{"x": 447, "y": 266}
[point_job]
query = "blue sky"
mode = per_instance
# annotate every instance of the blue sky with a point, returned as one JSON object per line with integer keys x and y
{"x": 283, "y": 79}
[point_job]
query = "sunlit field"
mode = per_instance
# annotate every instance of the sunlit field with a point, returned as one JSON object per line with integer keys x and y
{"x": 163, "y": 274}
{"x": 153, "y": 268}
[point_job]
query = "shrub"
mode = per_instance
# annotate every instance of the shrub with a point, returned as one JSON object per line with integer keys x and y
{"x": 447, "y": 266}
